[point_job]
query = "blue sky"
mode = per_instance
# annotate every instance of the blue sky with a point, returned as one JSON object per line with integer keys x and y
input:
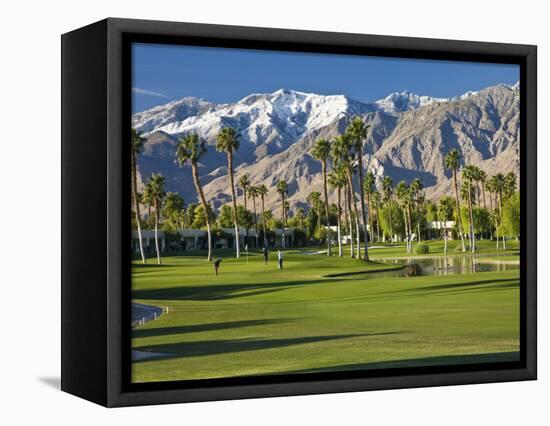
{"x": 163, "y": 73}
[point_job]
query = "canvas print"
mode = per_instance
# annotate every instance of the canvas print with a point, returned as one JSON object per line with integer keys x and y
{"x": 297, "y": 213}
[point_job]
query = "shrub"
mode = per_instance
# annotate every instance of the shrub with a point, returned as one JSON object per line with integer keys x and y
{"x": 422, "y": 249}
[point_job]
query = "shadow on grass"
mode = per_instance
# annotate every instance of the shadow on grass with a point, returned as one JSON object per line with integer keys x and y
{"x": 417, "y": 362}
{"x": 165, "y": 331}
{"x": 502, "y": 282}
{"x": 219, "y": 292}
{"x": 216, "y": 347}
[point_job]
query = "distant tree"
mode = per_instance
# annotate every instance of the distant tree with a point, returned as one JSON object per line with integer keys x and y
{"x": 225, "y": 217}
{"x": 315, "y": 204}
{"x": 376, "y": 201}
{"x": 342, "y": 157}
{"x": 246, "y": 218}
{"x": 228, "y": 141}
{"x": 190, "y": 213}
{"x": 444, "y": 213}
{"x": 500, "y": 186}
{"x": 469, "y": 174}
{"x": 191, "y": 149}
{"x": 253, "y": 193}
{"x": 157, "y": 193}
{"x": 321, "y": 151}
{"x": 369, "y": 186}
{"x": 282, "y": 189}
{"x": 244, "y": 183}
{"x": 416, "y": 192}
{"x": 358, "y": 133}
{"x": 387, "y": 187}
{"x": 511, "y": 216}
{"x": 200, "y": 215}
{"x": 136, "y": 146}
{"x": 403, "y": 193}
{"x": 262, "y": 192}
{"x": 337, "y": 180}
{"x": 452, "y": 162}
{"x": 173, "y": 211}
{"x": 391, "y": 219}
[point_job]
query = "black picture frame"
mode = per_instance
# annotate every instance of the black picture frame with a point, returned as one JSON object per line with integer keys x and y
{"x": 96, "y": 88}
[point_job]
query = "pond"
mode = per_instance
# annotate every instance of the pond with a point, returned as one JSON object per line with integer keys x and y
{"x": 440, "y": 265}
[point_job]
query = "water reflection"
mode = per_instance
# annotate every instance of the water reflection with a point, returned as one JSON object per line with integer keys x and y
{"x": 442, "y": 265}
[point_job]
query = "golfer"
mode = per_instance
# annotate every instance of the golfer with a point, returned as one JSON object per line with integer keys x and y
{"x": 280, "y": 259}
{"x": 217, "y": 265}
{"x": 264, "y": 252}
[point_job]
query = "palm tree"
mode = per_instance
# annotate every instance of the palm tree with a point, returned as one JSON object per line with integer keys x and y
{"x": 315, "y": 204}
{"x": 157, "y": 182}
{"x": 321, "y": 151}
{"x": 358, "y": 132}
{"x": 244, "y": 183}
{"x": 416, "y": 188}
{"x": 190, "y": 149}
{"x": 228, "y": 141}
{"x": 262, "y": 192}
{"x": 253, "y": 193}
{"x": 499, "y": 182}
{"x": 376, "y": 201}
{"x": 402, "y": 191}
{"x": 452, "y": 162}
{"x": 147, "y": 199}
{"x": 387, "y": 187}
{"x": 341, "y": 154}
{"x": 469, "y": 174}
{"x": 337, "y": 180}
{"x": 136, "y": 145}
{"x": 444, "y": 211}
{"x": 282, "y": 189}
{"x": 482, "y": 178}
{"x": 369, "y": 186}
{"x": 510, "y": 181}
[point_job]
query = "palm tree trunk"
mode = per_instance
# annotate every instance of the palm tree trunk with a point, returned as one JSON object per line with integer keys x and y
{"x": 483, "y": 190}
{"x": 348, "y": 204}
{"x": 157, "y": 230}
{"x": 263, "y": 222}
{"x": 471, "y": 220}
{"x": 136, "y": 203}
{"x": 340, "y": 254}
{"x": 406, "y": 228}
{"x": 364, "y": 212}
{"x": 410, "y": 227}
{"x": 418, "y": 210}
{"x": 500, "y": 213}
{"x": 234, "y": 199}
{"x": 329, "y": 233}
{"x": 378, "y": 225}
{"x": 356, "y": 213}
{"x": 255, "y": 219}
{"x": 198, "y": 187}
{"x": 391, "y": 225}
{"x": 459, "y": 219}
{"x": 371, "y": 223}
{"x": 283, "y": 242}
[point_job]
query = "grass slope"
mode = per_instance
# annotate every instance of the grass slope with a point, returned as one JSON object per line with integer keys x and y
{"x": 253, "y": 319}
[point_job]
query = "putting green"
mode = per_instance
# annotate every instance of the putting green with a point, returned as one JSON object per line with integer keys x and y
{"x": 253, "y": 319}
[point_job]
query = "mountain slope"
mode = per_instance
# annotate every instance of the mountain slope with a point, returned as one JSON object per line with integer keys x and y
{"x": 409, "y": 137}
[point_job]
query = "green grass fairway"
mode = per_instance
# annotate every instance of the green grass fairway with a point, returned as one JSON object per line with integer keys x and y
{"x": 253, "y": 319}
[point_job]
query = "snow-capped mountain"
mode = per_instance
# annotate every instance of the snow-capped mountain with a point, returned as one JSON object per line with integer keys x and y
{"x": 405, "y": 101}
{"x": 408, "y": 137}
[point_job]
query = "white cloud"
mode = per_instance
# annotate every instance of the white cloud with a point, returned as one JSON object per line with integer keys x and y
{"x": 148, "y": 92}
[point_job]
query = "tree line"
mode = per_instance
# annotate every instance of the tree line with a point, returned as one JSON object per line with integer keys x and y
{"x": 481, "y": 206}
